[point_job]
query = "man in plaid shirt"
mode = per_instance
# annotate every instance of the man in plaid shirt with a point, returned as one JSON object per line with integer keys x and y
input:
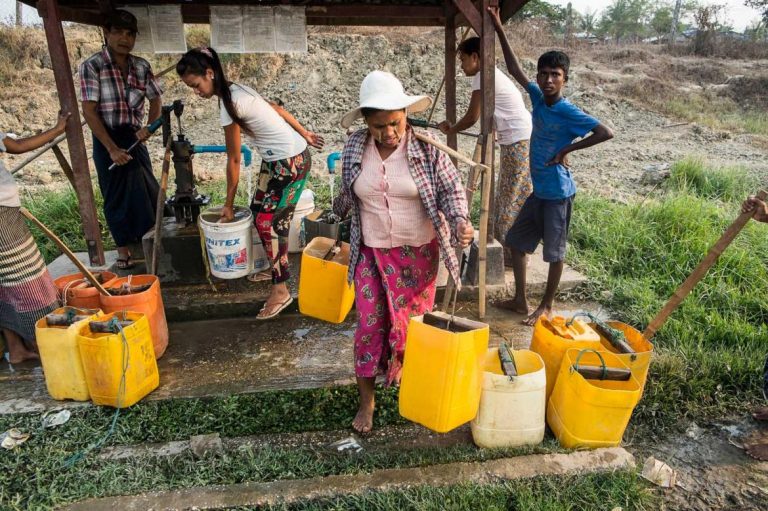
{"x": 114, "y": 85}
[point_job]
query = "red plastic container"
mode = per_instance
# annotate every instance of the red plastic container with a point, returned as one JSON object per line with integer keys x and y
{"x": 149, "y": 302}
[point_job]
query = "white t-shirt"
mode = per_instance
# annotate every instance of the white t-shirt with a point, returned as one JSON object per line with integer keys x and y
{"x": 513, "y": 121}
{"x": 274, "y": 138}
{"x": 9, "y": 191}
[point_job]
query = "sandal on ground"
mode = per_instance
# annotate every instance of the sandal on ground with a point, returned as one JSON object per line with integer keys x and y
{"x": 277, "y": 309}
{"x": 124, "y": 264}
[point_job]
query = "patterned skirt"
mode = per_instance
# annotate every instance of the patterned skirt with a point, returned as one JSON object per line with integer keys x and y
{"x": 27, "y": 292}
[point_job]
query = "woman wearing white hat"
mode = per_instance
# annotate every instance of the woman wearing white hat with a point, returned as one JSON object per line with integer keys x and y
{"x": 408, "y": 207}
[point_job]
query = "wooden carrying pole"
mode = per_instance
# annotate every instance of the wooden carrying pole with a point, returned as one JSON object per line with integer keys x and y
{"x": 160, "y": 205}
{"x": 714, "y": 253}
{"x": 450, "y": 152}
{"x": 80, "y": 266}
{"x": 469, "y": 190}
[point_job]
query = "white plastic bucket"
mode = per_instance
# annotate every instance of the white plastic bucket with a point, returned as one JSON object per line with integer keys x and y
{"x": 511, "y": 413}
{"x": 305, "y": 206}
{"x": 258, "y": 253}
{"x": 228, "y": 244}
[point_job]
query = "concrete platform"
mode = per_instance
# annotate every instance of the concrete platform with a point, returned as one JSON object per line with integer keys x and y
{"x": 234, "y": 356}
{"x": 241, "y": 298}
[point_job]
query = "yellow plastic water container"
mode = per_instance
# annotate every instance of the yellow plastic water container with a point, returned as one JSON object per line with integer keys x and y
{"x": 639, "y": 361}
{"x": 590, "y": 413}
{"x": 60, "y": 356}
{"x": 511, "y": 413}
{"x": 552, "y": 346}
{"x": 442, "y": 373}
{"x": 574, "y": 330}
{"x": 106, "y": 356}
{"x": 323, "y": 289}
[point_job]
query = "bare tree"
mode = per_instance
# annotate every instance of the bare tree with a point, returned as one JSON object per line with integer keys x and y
{"x": 18, "y": 13}
{"x": 675, "y": 22}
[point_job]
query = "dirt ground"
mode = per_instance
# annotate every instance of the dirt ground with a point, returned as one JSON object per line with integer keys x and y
{"x": 319, "y": 86}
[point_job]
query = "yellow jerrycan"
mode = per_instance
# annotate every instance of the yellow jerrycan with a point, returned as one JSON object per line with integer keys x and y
{"x": 119, "y": 364}
{"x": 442, "y": 370}
{"x": 511, "y": 412}
{"x": 590, "y": 412}
{"x": 548, "y": 342}
{"x": 56, "y": 335}
{"x": 323, "y": 289}
{"x": 639, "y": 361}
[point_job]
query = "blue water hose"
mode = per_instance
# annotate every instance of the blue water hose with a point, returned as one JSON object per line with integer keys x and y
{"x": 331, "y": 160}
{"x": 247, "y": 153}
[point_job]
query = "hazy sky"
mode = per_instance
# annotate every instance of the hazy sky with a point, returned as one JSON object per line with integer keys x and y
{"x": 738, "y": 14}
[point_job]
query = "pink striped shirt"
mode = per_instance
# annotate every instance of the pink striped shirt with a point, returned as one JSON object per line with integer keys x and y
{"x": 392, "y": 213}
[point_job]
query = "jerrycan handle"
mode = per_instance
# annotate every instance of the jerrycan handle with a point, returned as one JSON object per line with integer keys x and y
{"x": 575, "y": 366}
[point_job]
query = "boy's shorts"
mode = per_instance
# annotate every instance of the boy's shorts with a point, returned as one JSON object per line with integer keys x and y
{"x": 542, "y": 219}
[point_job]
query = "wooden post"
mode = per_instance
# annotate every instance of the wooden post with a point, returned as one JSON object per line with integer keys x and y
{"x": 62, "y": 71}
{"x": 450, "y": 71}
{"x": 482, "y": 249}
{"x": 488, "y": 86}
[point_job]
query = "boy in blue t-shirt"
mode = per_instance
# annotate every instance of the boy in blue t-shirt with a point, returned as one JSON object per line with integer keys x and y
{"x": 546, "y": 215}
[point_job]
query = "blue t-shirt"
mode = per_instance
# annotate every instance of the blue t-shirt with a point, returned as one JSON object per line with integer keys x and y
{"x": 554, "y": 127}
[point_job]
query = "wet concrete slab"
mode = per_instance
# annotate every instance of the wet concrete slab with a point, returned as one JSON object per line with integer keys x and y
{"x": 233, "y": 356}
{"x": 287, "y": 492}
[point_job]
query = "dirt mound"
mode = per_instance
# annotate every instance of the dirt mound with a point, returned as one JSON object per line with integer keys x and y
{"x": 622, "y": 86}
{"x": 749, "y": 91}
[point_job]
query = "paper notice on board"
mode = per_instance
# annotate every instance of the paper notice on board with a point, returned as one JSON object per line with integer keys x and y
{"x": 290, "y": 29}
{"x": 227, "y": 28}
{"x": 144, "y": 42}
{"x": 167, "y": 28}
{"x": 259, "y": 29}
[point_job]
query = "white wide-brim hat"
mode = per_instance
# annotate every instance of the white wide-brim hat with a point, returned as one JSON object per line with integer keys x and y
{"x": 381, "y": 90}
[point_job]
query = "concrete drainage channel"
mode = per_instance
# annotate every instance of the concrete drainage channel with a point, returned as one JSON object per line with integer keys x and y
{"x": 292, "y": 491}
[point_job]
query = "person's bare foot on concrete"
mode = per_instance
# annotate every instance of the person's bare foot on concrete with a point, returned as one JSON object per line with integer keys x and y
{"x": 18, "y": 351}
{"x": 761, "y": 414}
{"x": 520, "y": 306}
{"x": 535, "y": 315}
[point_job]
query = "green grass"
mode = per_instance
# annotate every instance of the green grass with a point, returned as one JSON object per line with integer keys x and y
{"x": 59, "y": 212}
{"x": 588, "y": 492}
{"x": 716, "y": 112}
{"x": 711, "y": 351}
{"x": 692, "y": 176}
{"x": 35, "y": 475}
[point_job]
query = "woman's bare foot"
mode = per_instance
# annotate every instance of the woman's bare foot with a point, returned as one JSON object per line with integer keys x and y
{"x": 18, "y": 352}
{"x": 517, "y": 305}
{"x": 363, "y": 421}
{"x": 535, "y": 315}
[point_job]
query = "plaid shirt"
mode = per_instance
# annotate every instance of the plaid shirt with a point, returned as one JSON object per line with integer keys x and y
{"x": 439, "y": 186}
{"x": 121, "y": 101}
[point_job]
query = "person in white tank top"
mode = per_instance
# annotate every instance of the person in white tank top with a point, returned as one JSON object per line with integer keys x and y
{"x": 282, "y": 143}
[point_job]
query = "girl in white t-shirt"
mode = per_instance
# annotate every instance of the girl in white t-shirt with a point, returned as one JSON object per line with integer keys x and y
{"x": 282, "y": 143}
